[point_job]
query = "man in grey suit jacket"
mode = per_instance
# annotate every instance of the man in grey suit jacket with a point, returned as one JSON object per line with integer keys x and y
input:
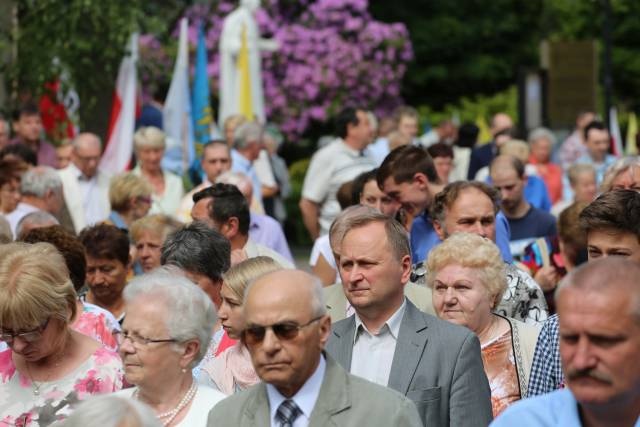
{"x": 286, "y": 330}
{"x": 389, "y": 341}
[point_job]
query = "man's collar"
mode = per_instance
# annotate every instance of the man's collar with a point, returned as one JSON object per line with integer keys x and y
{"x": 393, "y": 323}
{"x": 349, "y": 148}
{"x": 306, "y": 397}
{"x": 79, "y": 174}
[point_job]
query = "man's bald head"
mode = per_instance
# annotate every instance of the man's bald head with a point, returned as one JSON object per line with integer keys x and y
{"x": 87, "y": 149}
{"x": 288, "y": 282}
{"x": 606, "y": 275}
{"x": 500, "y": 122}
{"x": 286, "y": 328}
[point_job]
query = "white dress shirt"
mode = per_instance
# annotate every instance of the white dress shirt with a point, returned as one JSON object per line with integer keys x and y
{"x": 373, "y": 353}
{"x": 305, "y": 398}
{"x": 93, "y": 211}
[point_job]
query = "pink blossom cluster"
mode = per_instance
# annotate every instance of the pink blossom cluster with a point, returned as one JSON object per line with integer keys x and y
{"x": 332, "y": 54}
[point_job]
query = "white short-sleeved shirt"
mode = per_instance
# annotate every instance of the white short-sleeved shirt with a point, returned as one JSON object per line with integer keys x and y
{"x": 331, "y": 167}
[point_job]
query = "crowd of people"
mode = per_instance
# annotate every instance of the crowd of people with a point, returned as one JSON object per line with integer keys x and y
{"x": 452, "y": 282}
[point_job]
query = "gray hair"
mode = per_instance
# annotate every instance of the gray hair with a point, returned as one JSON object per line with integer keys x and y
{"x": 198, "y": 249}
{"x": 111, "y": 411}
{"x": 39, "y": 180}
{"x": 35, "y": 219}
{"x": 189, "y": 312}
{"x": 606, "y": 275}
{"x": 318, "y": 303}
{"x": 542, "y": 133}
{"x": 246, "y": 134}
{"x": 621, "y": 165}
{"x": 317, "y": 300}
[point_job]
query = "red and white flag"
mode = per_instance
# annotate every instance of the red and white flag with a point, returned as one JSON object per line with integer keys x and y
{"x": 117, "y": 155}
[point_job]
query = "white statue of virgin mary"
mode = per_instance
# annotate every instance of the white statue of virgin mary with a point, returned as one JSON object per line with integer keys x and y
{"x": 240, "y": 68}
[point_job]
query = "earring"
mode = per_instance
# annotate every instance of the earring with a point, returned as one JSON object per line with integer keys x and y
{"x": 184, "y": 370}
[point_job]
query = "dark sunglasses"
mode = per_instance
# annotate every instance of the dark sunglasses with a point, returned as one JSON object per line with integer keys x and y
{"x": 284, "y": 331}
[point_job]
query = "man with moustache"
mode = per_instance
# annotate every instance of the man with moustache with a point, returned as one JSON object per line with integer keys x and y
{"x": 599, "y": 313}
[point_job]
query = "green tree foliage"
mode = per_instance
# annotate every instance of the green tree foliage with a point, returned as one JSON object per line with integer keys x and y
{"x": 583, "y": 19}
{"x": 475, "y": 47}
{"x": 86, "y": 38}
{"x": 463, "y": 48}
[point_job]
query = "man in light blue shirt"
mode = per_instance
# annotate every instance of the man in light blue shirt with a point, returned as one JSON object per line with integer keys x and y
{"x": 598, "y": 311}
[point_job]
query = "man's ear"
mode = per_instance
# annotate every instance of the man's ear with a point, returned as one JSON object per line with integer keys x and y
{"x": 324, "y": 330}
{"x": 232, "y": 227}
{"x": 421, "y": 179}
{"x": 406, "y": 265}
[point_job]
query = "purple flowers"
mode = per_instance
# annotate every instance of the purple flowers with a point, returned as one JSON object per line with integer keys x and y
{"x": 332, "y": 54}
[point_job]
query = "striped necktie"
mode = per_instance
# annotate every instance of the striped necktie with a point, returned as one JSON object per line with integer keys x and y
{"x": 287, "y": 413}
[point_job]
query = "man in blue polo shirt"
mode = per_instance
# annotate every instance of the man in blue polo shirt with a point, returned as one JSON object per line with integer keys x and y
{"x": 409, "y": 176}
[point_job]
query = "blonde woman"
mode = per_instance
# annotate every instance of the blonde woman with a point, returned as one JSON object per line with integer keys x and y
{"x": 167, "y": 190}
{"x": 466, "y": 273}
{"x": 231, "y": 370}
{"x": 130, "y": 199}
{"x": 148, "y": 235}
{"x": 48, "y": 366}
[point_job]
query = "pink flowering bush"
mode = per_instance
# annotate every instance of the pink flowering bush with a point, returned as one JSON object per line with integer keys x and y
{"x": 332, "y": 54}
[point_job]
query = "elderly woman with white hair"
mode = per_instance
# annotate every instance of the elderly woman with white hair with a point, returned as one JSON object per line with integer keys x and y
{"x": 165, "y": 334}
{"x": 624, "y": 174}
{"x": 167, "y": 190}
{"x": 466, "y": 273}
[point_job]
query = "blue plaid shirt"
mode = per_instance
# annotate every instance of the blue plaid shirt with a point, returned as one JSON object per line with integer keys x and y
{"x": 546, "y": 369}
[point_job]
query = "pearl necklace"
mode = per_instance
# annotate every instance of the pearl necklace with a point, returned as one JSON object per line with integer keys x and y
{"x": 170, "y": 415}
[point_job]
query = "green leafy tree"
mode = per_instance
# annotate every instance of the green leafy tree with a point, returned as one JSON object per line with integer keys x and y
{"x": 464, "y": 48}
{"x": 86, "y": 38}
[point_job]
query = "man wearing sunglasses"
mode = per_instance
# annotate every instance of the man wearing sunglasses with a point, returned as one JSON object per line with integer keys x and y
{"x": 286, "y": 331}
{"x": 390, "y": 342}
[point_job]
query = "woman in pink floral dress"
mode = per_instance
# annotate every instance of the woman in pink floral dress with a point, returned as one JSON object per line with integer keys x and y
{"x": 48, "y": 366}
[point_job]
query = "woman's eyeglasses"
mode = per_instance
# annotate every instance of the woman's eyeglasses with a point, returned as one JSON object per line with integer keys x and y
{"x": 26, "y": 336}
{"x": 138, "y": 340}
{"x": 284, "y": 331}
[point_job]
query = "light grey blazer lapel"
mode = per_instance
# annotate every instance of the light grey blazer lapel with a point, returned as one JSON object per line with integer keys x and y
{"x": 342, "y": 348}
{"x": 334, "y": 395}
{"x": 256, "y": 411}
{"x": 410, "y": 346}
